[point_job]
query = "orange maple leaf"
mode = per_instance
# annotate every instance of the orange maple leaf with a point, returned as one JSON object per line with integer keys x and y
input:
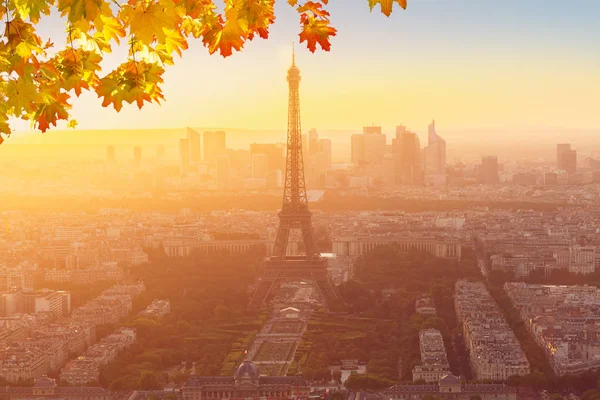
{"x": 227, "y": 37}
{"x": 386, "y": 5}
{"x": 133, "y": 81}
{"x": 315, "y": 31}
{"x": 51, "y": 109}
{"x": 315, "y": 8}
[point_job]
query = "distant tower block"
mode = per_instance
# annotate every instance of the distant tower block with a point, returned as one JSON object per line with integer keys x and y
{"x": 194, "y": 144}
{"x": 294, "y": 215}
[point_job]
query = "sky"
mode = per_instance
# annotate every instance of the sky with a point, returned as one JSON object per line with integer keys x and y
{"x": 509, "y": 64}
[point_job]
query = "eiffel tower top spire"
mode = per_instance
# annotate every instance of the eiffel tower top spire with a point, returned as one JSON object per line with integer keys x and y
{"x": 293, "y": 75}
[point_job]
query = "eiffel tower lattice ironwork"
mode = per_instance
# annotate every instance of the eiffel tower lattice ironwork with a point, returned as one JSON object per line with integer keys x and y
{"x": 294, "y": 214}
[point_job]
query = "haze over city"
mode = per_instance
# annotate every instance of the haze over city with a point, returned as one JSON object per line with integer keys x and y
{"x": 413, "y": 215}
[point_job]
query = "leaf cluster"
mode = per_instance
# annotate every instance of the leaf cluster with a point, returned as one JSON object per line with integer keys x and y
{"x": 38, "y": 80}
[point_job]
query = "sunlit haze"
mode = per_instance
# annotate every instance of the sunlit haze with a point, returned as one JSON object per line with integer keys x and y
{"x": 470, "y": 63}
{"x": 413, "y": 215}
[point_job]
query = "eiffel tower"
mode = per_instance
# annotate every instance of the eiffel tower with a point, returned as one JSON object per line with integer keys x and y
{"x": 294, "y": 214}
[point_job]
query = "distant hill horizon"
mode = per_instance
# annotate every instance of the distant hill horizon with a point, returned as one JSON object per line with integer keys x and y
{"x": 91, "y": 144}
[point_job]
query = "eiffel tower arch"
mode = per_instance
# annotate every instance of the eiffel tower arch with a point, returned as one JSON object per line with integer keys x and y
{"x": 294, "y": 215}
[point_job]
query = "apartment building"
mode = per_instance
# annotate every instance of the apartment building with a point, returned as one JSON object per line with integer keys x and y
{"x": 434, "y": 362}
{"x": 494, "y": 350}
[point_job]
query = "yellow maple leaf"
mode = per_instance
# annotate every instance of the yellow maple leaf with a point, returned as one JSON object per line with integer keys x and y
{"x": 108, "y": 28}
{"x": 196, "y": 8}
{"x": 227, "y": 36}
{"x": 192, "y": 26}
{"x": 32, "y": 9}
{"x": 133, "y": 81}
{"x": 109, "y": 89}
{"x": 21, "y": 33}
{"x": 77, "y": 10}
{"x": 386, "y": 5}
{"x": 72, "y": 123}
{"x": 259, "y": 14}
{"x": 148, "y": 20}
{"x": 78, "y": 69}
{"x": 153, "y": 55}
{"x": 174, "y": 42}
{"x": 23, "y": 95}
{"x": 27, "y": 49}
{"x": 53, "y": 107}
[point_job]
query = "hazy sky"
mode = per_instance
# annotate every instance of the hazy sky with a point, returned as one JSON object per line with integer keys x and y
{"x": 468, "y": 63}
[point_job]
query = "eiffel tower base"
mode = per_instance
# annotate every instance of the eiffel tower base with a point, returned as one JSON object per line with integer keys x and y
{"x": 277, "y": 271}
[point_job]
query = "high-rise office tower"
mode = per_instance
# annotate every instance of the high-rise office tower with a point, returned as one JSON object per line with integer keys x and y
{"x": 222, "y": 171}
{"x": 137, "y": 157}
{"x": 368, "y": 147}
{"x": 194, "y": 143}
{"x": 566, "y": 158}
{"x": 184, "y": 156}
{"x": 406, "y": 149}
{"x": 357, "y": 149}
{"x": 214, "y": 145}
{"x": 435, "y": 153}
{"x": 110, "y": 153}
{"x": 570, "y": 161}
{"x": 160, "y": 152}
{"x": 488, "y": 170}
{"x": 374, "y": 144}
{"x": 318, "y": 159}
{"x": 274, "y": 153}
{"x": 368, "y": 130}
{"x": 313, "y": 141}
{"x": 560, "y": 149}
{"x": 260, "y": 166}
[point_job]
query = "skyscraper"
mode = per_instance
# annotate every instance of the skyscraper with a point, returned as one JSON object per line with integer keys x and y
{"x": 194, "y": 144}
{"x": 570, "y": 161}
{"x": 137, "y": 157}
{"x": 160, "y": 152}
{"x": 214, "y": 145}
{"x": 357, "y": 149}
{"x": 273, "y": 151}
{"x": 110, "y": 153}
{"x": 184, "y": 156}
{"x": 368, "y": 148}
{"x": 260, "y": 166}
{"x": 369, "y": 130}
{"x": 406, "y": 148}
{"x": 313, "y": 141}
{"x": 560, "y": 149}
{"x": 488, "y": 170}
{"x": 317, "y": 159}
{"x": 435, "y": 153}
{"x": 566, "y": 158}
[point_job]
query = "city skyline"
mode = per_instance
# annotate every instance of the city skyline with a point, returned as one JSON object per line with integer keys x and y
{"x": 398, "y": 257}
{"x": 508, "y": 75}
